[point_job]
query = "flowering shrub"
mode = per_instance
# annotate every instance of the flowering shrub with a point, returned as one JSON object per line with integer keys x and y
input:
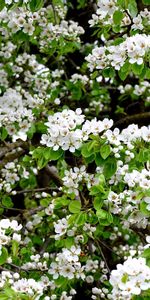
{"x": 74, "y": 150}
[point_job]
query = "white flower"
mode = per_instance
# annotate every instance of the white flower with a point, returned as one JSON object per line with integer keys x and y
{"x": 67, "y": 271}
{"x": 16, "y": 237}
{"x": 28, "y": 28}
{"x": 147, "y": 200}
{"x": 54, "y": 270}
{"x": 148, "y": 239}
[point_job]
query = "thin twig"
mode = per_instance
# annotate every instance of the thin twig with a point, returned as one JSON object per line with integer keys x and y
{"x": 103, "y": 256}
{"x": 101, "y": 251}
{"x": 45, "y": 245}
{"x": 36, "y": 190}
{"x": 17, "y": 267}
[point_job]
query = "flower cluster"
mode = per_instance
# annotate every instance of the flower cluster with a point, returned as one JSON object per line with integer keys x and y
{"x": 106, "y": 10}
{"x": 78, "y": 176}
{"x": 67, "y": 29}
{"x": 63, "y": 131}
{"x": 12, "y": 173}
{"x": 133, "y": 49}
{"x": 67, "y": 264}
{"x": 29, "y": 287}
{"x": 8, "y": 231}
{"x": 74, "y": 186}
{"x": 130, "y": 279}
{"x": 104, "y": 13}
{"x": 13, "y": 111}
{"x": 83, "y": 78}
{"x": 141, "y": 89}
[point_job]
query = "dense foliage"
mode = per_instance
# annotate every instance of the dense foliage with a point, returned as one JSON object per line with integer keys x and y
{"x": 74, "y": 150}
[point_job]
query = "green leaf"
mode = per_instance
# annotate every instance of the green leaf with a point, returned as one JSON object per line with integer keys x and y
{"x": 74, "y": 206}
{"x": 36, "y": 4}
{"x": 98, "y": 202}
{"x": 124, "y": 278}
{"x": 7, "y": 202}
{"x": 20, "y": 36}
{"x": 87, "y": 149}
{"x": 126, "y": 67}
{"x": 105, "y": 150}
{"x": 124, "y": 71}
{"x": 117, "y": 17}
{"x": 118, "y": 41}
{"x": 9, "y": 293}
{"x": 105, "y": 218}
{"x": 50, "y": 154}
{"x": 41, "y": 128}
{"x": 28, "y": 182}
{"x": 45, "y": 202}
{"x": 96, "y": 189}
{"x": 81, "y": 218}
{"x": 144, "y": 155}
{"x": 110, "y": 167}
{"x": 137, "y": 69}
{"x": 122, "y": 3}
{"x": 108, "y": 72}
{"x": 146, "y": 2}
{"x": 143, "y": 208}
{"x": 3, "y": 296}
{"x": 44, "y": 155}
{"x": 3, "y": 256}
{"x": 2, "y": 4}
{"x": 37, "y": 240}
{"x": 42, "y": 162}
{"x": 146, "y": 253}
{"x": 15, "y": 248}
{"x": 31, "y": 131}
{"x": 101, "y": 213}
{"x": 3, "y": 133}
{"x": 99, "y": 160}
{"x": 61, "y": 202}
{"x": 116, "y": 28}
{"x": 69, "y": 241}
{"x": 89, "y": 159}
{"x": 109, "y": 217}
{"x": 132, "y": 7}
{"x": 76, "y": 93}
{"x": 101, "y": 179}
{"x": 61, "y": 281}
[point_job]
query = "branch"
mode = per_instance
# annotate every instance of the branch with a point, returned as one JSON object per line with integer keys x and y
{"x": 17, "y": 267}
{"x": 10, "y": 157}
{"x": 133, "y": 119}
{"x": 54, "y": 176}
{"x": 11, "y": 146}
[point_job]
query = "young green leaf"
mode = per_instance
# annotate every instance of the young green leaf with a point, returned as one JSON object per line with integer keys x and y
{"x": 36, "y": 4}
{"x": 74, "y": 206}
{"x": 110, "y": 167}
{"x": 105, "y": 150}
{"x": 3, "y": 255}
{"x": 117, "y": 17}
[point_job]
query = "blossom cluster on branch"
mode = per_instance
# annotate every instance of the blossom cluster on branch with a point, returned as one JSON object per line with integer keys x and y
{"x": 74, "y": 150}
